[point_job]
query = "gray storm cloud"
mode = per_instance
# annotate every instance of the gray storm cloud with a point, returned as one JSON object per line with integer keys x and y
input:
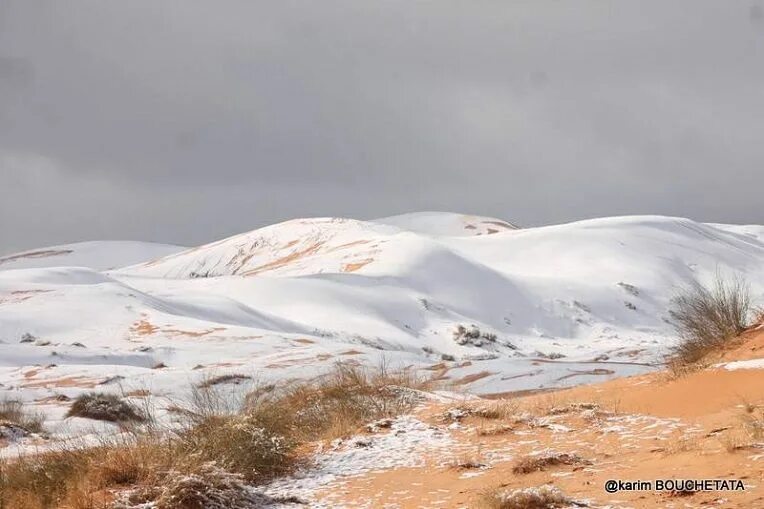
{"x": 184, "y": 121}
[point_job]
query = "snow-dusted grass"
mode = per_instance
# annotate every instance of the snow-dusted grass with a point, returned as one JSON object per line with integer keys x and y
{"x": 541, "y": 497}
{"x": 545, "y": 459}
{"x": 209, "y": 455}
{"x": 105, "y": 407}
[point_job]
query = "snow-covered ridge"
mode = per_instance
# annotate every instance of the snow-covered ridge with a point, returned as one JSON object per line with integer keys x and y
{"x": 447, "y": 224}
{"x": 98, "y": 255}
{"x": 507, "y": 310}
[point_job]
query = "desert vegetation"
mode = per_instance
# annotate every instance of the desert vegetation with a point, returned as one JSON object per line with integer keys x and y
{"x": 105, "y": 407}
{"x": 212, "y": 454}
{"x": 542, "y": 497}
{"x": 14, "y": 414}
{"x": 707, "y": 318}
{"x": 540, "y": 462}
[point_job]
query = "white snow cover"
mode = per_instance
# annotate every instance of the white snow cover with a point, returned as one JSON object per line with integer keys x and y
{"x": 747, "y": 364}
{"x": 447, "y": 224}
{"x": 98, "y": 255}
{"x": 539, "y": 307}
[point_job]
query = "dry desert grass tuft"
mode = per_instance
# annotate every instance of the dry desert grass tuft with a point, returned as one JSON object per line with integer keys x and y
{"x": 13, "y": 412}
{"x": 708, "y": 318}
{"x": 206, "y": 459}
{"x": 540, "y": 462}
{"x": 542, "y": 497}
{"x": 105, "y": 407}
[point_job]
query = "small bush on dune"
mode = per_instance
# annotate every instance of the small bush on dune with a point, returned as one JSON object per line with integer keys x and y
{"x": 105, "y": 407}
{"x": 706, "y": 318}
{"x": 542, "y": 497}
{"x": 209, "y": 487}
{"x": 339, "y": 402}
{"x": 242, "y": 444}
{"x": 539, "y": 462}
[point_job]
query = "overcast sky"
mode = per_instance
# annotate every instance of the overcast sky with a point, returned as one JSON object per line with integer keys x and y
{"x": 186, "y": 121}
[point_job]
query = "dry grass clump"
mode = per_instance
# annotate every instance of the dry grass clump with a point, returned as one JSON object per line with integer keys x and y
{"x": 206, "y": 460}
{"x": 40, "y": 481}
{"x": 539, "y": 462}
{"x": 207, "y": 487}
{"x": 105, "y": 407}
{"x": 243, "y": 444}
{"x": 706, "y": 318}
{"x": 541, "y": 497}
{"x": 12, "y": 411}
{"x": 749, "y": 433}
{"x": 338, "y": 403}
{"x": 487, "y": 410}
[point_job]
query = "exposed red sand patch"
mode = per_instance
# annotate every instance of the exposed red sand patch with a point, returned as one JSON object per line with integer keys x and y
{"x": 436, "y": 367}
{"x": 304, "y": 341}
{"x": 347, "y": 245}
{"x": 143, "y": 328}
{"x": 352, "y": 267}
{"x": 473, "y": 378}
{"x": 192, "y": 334}
{"x": 69, "y": 381}
{"x": 351, "y": 352}
{"x": 17, "y": 296}
{"x": 138, "y": 393}
{"x": 749, "y": 346}
{"x": 293, "y": 361}
{"x": 586, "y": 372}
{"x": 284, "y": 260}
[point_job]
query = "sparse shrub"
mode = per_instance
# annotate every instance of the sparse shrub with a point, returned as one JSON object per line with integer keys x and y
{"x": 105, "y": 407}
{"x": 631, "y": 289}
{"x": 542, "y": 497}
{"x": 40, "y": 481}
{"x": 210, "y": 487}
{"x": 539, "y": 462}
{"x": 27, "y": 338}
{"x": 472, "y": 336}
{"x": 706, "y": 318}
{"x": 340, "y": 402}
{"x": 12, "y": 411}
{"x": 244, "y": 444}
{"x": 206, "y": 461}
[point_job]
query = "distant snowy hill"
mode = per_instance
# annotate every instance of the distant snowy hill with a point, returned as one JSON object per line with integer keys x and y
{"x": 494, "y": 311}
{"x": 447, "y": 224}
{"x": 99, "y": 255}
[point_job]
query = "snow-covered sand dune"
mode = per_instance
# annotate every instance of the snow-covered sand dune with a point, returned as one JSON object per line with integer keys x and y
{"x": 492, "y": 307}
{"x": 98, "y": 255}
